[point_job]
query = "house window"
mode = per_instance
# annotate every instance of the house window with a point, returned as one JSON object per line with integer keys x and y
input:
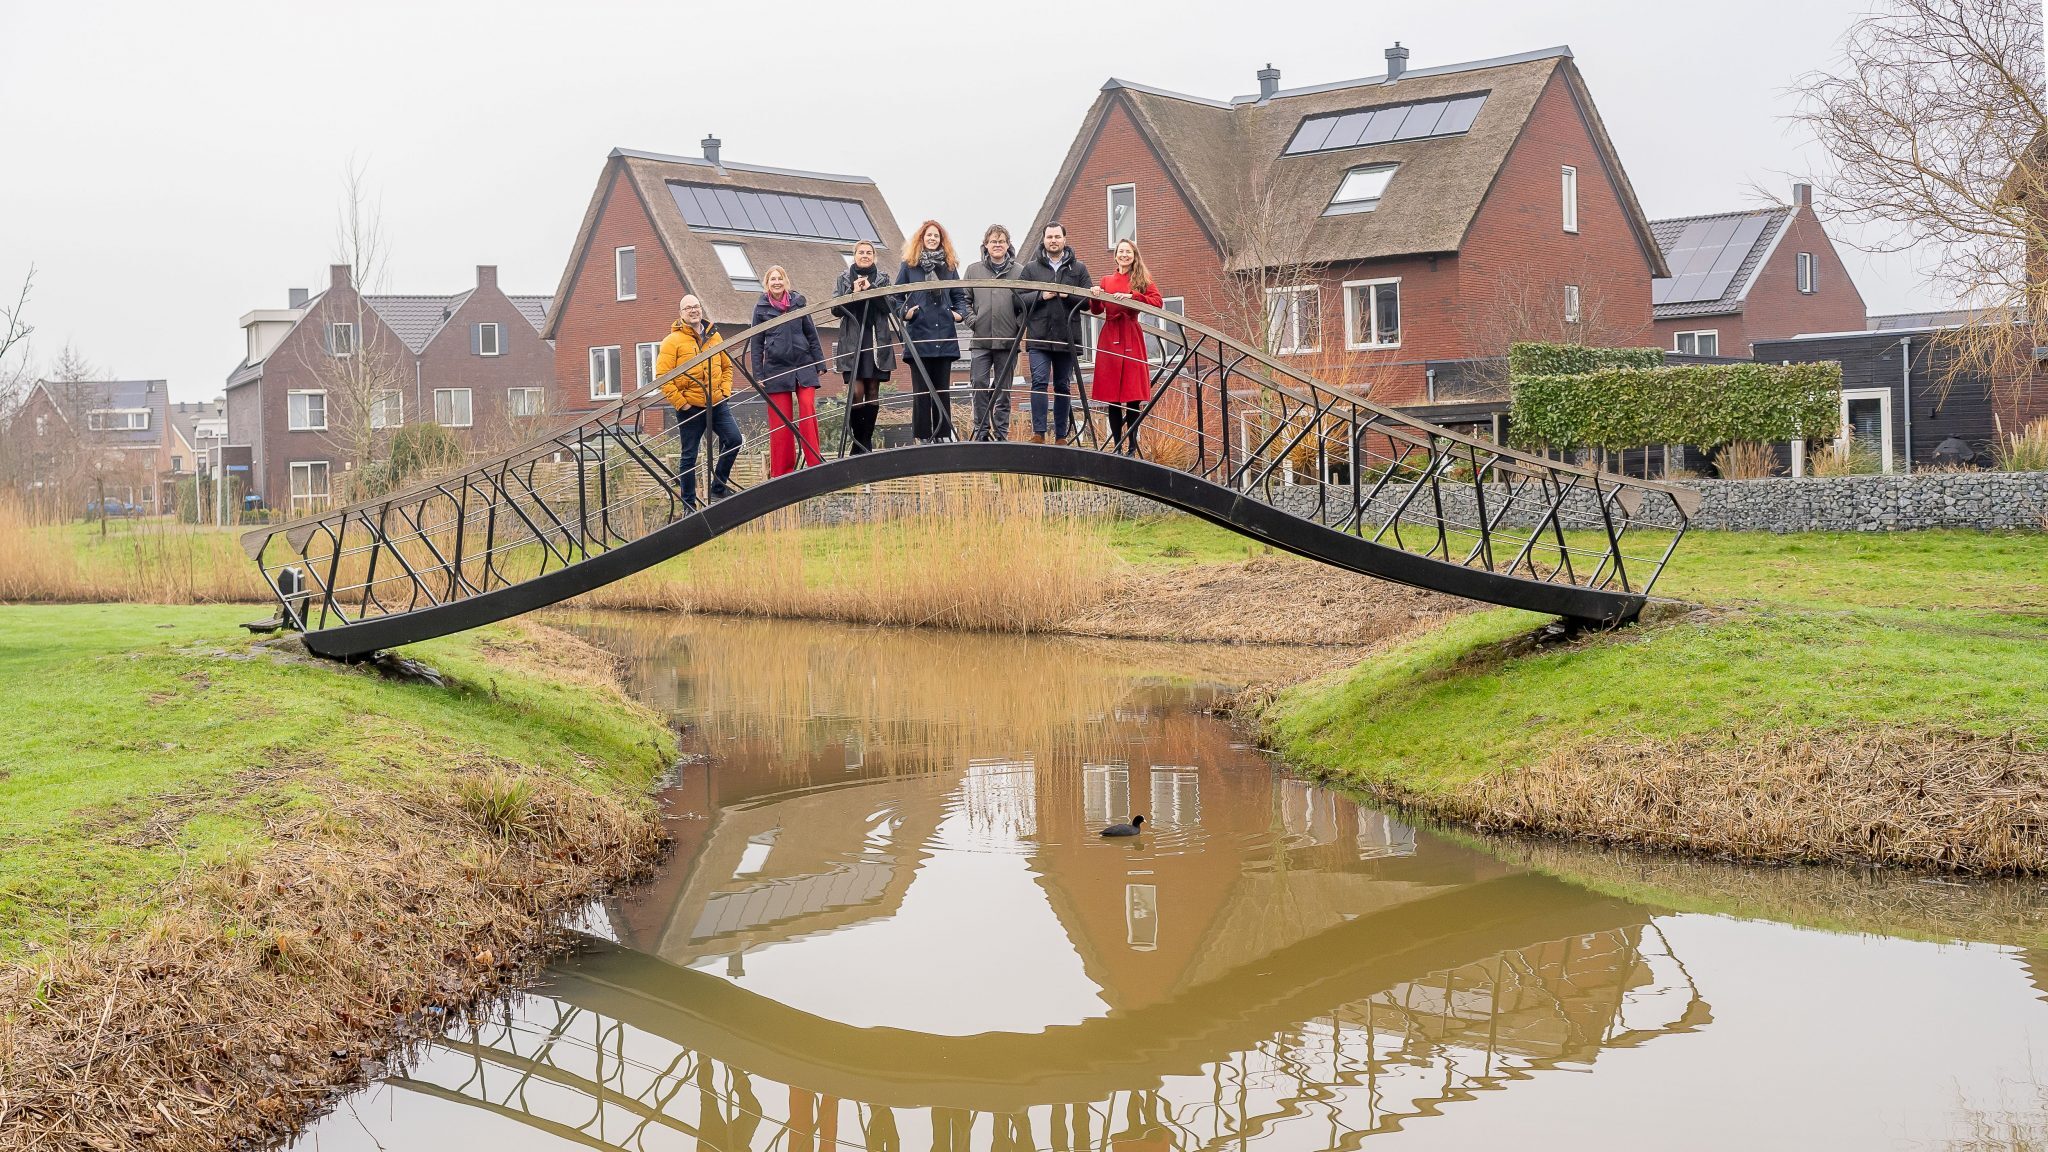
{"x": 1294, "y": 319}
{"x": 451, "y": 407}
{"x": 177, "y": 463}
{"x": 387, "y": 409}
{"x": 1091, "y": 334}
{"x": 1123, "y": 213}
{"x": 646, "y": 354}
{"x": 1170, "y": 334}
{"x": 487, "y": 340}
{"x": 1571, "y": 303}
{"x": 42, "y": 424}
{"x": 1176, "y": 795}
{"x": 848, "y": 257}
{"x": 1105, "y": 793}
{"x": 1809, "y": 274}
{"x": 738, "y": 268}
{"x": 625, "y": 272}
{"x": 523, "y": 402}
{"x": 604, "y": 373}
{"x": 1571, "y": 198}
{"x": 1141, "y": 916}
{"x": 117, "y": 420}
{"x": 306, "y": 411}
{"x": 1360, "y": 190}
{"x": 1867, "y": 419}
{"x": 309, "y": 484}
{"x": 1707, "y": 343}
{"x": 1372, "y": 313}
{"x": 341, "y": 339}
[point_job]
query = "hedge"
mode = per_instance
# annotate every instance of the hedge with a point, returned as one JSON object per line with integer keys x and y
{"x": 1701, "y": 404}
{"x": 1531, "y": 358}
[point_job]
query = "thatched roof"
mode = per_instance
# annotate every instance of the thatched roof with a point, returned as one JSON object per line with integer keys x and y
{"x": 813, "y": 265}
{"x": 1227, "y": 157}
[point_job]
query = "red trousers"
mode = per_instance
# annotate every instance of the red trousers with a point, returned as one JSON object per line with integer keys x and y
{"x": 782, "y": 439}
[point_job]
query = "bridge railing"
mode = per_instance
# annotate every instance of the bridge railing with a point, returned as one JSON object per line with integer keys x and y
{"x": 1216, "y": 409}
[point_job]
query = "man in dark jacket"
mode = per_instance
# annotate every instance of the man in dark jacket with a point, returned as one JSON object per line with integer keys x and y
{"x": 1052, "y": 326}
{"x": 993, "y": 323}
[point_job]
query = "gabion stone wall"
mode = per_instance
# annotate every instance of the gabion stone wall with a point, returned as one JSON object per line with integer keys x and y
{"x": 1987, "y": 500}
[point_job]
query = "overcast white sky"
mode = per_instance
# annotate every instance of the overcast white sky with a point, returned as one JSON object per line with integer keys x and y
{"x": 169, "y": 167}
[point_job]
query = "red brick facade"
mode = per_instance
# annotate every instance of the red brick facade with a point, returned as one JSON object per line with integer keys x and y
{"x": 1516, "y": 254}
{"x": 590, "y": 315}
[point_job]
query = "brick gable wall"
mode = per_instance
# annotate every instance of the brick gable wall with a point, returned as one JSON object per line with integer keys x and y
{"x": 450, "y": 361}
{"x": 1776, "y": 309}
{"x": 592, "y": 316}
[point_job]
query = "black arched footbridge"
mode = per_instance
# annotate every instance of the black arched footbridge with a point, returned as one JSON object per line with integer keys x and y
{"x": 1230, "y": 434}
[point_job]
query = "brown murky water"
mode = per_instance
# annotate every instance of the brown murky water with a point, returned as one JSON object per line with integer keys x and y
{"x": 890, "y": 924}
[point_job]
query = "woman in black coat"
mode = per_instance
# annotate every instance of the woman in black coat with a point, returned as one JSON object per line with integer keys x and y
{"x": 931, "y": 316}
{"x": 785, "y": 362}
{"x": 867, "y": 349}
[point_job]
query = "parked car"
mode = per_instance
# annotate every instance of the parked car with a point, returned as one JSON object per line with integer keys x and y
{"x": 114, "y": 508}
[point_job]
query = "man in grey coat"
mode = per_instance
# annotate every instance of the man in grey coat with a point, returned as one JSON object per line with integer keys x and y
{"x": 993, "y": 325}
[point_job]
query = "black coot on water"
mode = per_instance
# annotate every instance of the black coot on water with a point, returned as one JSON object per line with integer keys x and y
{"x": 1130, "y": 829}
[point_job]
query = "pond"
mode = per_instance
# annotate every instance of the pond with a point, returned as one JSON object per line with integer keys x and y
{"x": 890, "y": 923}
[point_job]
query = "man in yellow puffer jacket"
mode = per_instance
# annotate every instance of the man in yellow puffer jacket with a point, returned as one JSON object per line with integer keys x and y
{"x": 700, "y": 396}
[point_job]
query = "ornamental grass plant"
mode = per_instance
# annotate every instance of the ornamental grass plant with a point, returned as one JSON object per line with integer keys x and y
{"x": 2025, "y": 450}
{"x": 1745, "y": 460}
{"x": 1850, "y": 457}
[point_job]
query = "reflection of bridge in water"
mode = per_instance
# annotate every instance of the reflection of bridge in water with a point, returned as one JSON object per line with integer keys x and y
{"x": 561, "y": 1063}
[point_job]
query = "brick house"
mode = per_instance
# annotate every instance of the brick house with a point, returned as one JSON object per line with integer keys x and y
{"x": 1738, "y": 278}
{"x": 659, "y": 227}
{"x": 472, "y": 361}
{"x": 1375, "y": 232}
{"x": 79, "y": 438}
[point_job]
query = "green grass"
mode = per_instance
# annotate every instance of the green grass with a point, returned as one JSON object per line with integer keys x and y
{"x": 137, "y": 741}
{"x": 1812, "y": 633}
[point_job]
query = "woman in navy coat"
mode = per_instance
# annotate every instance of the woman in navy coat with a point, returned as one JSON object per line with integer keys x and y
{"x": 932, "y": 316}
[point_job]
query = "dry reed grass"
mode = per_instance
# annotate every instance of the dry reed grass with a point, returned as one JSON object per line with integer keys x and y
{"x": 146, "y": 562}
{"x": 2025, "y": 450}
{"x": 1848, "y": 457}
{"x": 1745, "y": 461}
{"x": 1953, "y": 801}
{"x": 978, "y": 556}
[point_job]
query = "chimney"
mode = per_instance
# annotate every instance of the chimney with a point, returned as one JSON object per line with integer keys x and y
{"x": 298, "y": 297}
{"x": 1397, "y": 62}
{"x": 711, "y": 144}
{"x": 486, "y": 276}
{"x": 338, "y": 276}
{"x": 1269, "y": 82}
{"x": 1802, "y": 195}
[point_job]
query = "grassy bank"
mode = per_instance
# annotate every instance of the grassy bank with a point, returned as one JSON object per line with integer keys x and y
{"x": 228, "y": 875}
{"x": 1879, "y": 699}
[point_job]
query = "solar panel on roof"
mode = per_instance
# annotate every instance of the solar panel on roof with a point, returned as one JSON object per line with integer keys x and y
{"x": 772, "y": 213}
{"x": 1706, "y": 258}
{"x": 1418, "y": 121}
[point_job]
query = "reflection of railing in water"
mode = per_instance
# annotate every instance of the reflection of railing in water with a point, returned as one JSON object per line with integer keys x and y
{"x": 1365, "y": 1067}
{"x": 599, "y": 498}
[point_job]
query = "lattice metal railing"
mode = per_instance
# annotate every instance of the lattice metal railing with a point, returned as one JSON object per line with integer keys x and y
{"x": 1489, "y": 522}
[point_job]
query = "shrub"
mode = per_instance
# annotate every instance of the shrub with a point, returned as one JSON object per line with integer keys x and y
{"x": 2025, "y": 450}
{"x": 1704, "y": 404}
{"x": 1745, "y": 460}
{"x": 1531, "y": 358}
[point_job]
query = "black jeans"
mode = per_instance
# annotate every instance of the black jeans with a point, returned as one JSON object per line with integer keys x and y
{"x": 864, "y": 404}
{"x": 1123, "y": 425}
{"x": 931, "y": 416}
{"x": 691, "y": 426}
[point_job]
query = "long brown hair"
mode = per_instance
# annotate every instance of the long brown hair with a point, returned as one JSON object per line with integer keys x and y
{"x": 1141, "y": 277}
{"x": 914, "y": 247}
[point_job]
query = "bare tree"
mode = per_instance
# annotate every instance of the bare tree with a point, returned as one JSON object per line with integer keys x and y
{"x": 360, "y": 369}
{"x": 14, "y": 327}
{"x": 1519, "y": 309}
{"x": 15, "y": 382}
{"x": 1936, "y": 123}
{"x": 1267, "y": 251}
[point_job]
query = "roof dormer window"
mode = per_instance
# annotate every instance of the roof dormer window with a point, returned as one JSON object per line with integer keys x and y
{"x": 1361, "y": 189}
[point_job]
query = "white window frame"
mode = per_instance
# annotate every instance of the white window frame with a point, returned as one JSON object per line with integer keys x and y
{"x": 493, "y": 347}
{"x": 621, "y": 288}
{"x": 96, "y": 420}
{"x": 608, "y": 387}
{"x": 334, "y": 330}
{"x": 1351, "y": 318}
{"x": 1293, "y": 346}
{"x": 309, "y": 426}
{"x": 387, "y": 409}
{"x": 644, "y": 356}
{"x": 1569, "y": 195}
{"x": 538, "y": 407}
{"x": 1884, "y": 413}
{"x": 291, "y": 486}
{"x": 1155, "y": 348}
{"x": 1574, "y": 304}
{"x": 1807, "y": 270}
{"x": 724, "y": 252}
{"x": 468, "y": 407}
{"x": 1109, "y": 213}
{"x": 1678, "y": 342}
{"x": 1337, "y": 207}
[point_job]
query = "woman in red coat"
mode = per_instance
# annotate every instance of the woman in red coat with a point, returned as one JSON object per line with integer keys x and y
{"x": 1123, "y": 378}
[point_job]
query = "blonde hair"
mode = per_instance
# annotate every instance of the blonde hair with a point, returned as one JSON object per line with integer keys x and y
{"x": 770, "y": 275}
{"x": 915, "y": 245}
{"x": 1141, "y": 277}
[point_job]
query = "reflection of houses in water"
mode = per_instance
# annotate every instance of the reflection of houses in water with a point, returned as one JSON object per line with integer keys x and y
{"x": 1341, "y": 1074}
